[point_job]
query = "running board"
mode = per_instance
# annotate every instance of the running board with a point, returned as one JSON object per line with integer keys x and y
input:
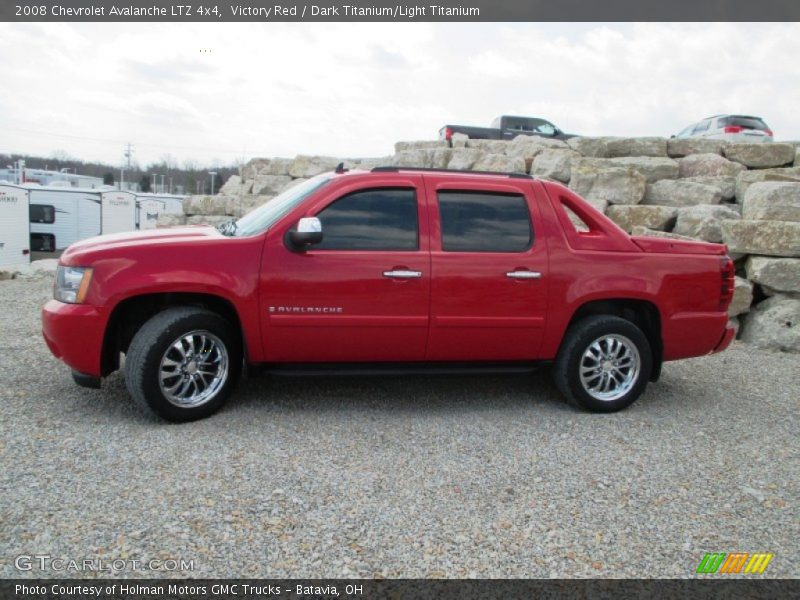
{"x": 360, "y": 369}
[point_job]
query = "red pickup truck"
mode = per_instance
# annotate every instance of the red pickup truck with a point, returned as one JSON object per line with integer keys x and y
{"x": 392, "y": 269}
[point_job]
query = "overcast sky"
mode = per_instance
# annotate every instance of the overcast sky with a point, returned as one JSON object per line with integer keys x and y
{"x": 354, "y": 89}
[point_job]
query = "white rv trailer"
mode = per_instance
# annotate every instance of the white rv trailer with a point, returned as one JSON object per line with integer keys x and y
{"x": 14, "y": 226}
{"x": 120, "y": 211}
{"x": 148, "y": 210}
{"x": 61, "y": 216}
{"x": 151, "y": 206}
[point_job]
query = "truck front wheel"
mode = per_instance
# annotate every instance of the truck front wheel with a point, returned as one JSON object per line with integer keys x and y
{"x": 604, "y": 363}
{"x": 183, "y": 364}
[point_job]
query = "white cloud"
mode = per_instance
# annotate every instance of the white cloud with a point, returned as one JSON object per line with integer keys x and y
{"x": 354, "y": 89}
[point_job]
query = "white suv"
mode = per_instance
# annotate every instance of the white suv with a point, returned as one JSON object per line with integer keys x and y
{"x": 730, "y": 128}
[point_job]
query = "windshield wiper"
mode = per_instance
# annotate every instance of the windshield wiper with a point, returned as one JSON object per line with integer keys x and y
{"x": 228, "y": 227}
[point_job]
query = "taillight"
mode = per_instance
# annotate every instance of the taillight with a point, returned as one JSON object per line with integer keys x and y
{"x": 733, "y": 129}
{"x": 768, "y": 132}
{"x": 448, "y": 134}
{"x": 727, "y": 282}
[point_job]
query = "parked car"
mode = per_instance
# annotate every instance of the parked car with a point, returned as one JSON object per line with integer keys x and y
{"x": 506, "y": 128}
{"x": 392, "y": 269}
{"x": 730, "y": 128}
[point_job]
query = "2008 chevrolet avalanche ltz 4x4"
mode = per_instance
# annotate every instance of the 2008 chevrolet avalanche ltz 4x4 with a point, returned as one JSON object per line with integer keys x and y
{"x": 393, "y": 267}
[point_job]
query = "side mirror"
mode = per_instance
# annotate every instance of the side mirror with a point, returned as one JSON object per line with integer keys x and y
{"x": 308, "y": 232}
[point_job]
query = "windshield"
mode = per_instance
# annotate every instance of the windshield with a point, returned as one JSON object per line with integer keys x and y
{"x": 263, "y": 217}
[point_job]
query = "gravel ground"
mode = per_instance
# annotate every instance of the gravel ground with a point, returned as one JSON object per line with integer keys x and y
{"x": 489, "y": 476}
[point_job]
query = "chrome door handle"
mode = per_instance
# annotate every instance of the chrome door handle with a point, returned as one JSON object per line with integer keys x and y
{"x": 403, "y": 274}
{"x": 524, "y": 274}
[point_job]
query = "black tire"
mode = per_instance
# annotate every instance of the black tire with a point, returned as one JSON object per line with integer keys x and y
{"x": 151, "y": 342}
{"x": 581, "y": 335}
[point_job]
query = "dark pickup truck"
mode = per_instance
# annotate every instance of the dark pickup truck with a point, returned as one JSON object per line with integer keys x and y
{"x": 506, "y": 128}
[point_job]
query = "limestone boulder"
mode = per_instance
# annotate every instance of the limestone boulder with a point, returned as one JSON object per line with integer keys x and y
{"x": 270, "y": 185}
{"x": 489, "y": 146}
{"x": 436, "y": 158}
{"x": 462, "y": 159}
{"x": 529, "y": 147}
{"x": 639, "y": 146}
{"x": 500, "y": 163}
{"x": 596, "y": 147}
{"x": 760, "y": 156}
{"x": 170, "y": 221}
{"x": 747, "y": 178}
{"x": 367, "y": 164}
{"x": 703, "y": 221}
{"x": 777, "y": 274}
{"x": 240, "y": 206}
{"x": 266, "y": 166}
{"x": 679, "y": 147}
{"x": 772, "y": 238}
{"x": 772, "y": 201}
{"x": 774, "y": 324}
{"x": 653, "y": 168}
{"x": 614, "y": 185}
{"x": 420, "y": 145}
{"x": 553, "y": 164}
{"x": 646, "y": 232}
{"x": 459, "y": 140}
{"x": 726, "y": 185}
{"x": 212, "y": 220}
{"x": 679, "y": 192}
{"x": 742, "y": 297}
{"x": 708, "y": 164}
{"x": 235, "y": 186}
{"x": 204, "y": 205}
{"x": 652, "y": 217}
{"x": 309, "y": 166}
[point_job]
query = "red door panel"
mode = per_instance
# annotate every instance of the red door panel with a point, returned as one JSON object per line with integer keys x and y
{"x": 486, "y": 305}
{"x": 347, "y": 305}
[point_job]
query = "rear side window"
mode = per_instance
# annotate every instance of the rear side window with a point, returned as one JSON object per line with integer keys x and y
{"x": 379, "y": 219}
{"x": 42, "y": 213}
{"x": 484, "y": 222}
{"x": 702, "y": 126}
{"x": 744, "y": 122}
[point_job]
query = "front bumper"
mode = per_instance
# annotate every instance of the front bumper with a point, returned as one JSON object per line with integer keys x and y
{"x": 74, "y": 334}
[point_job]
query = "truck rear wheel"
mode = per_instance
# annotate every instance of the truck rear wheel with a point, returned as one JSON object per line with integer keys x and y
{"x": 183, "y": 364}
{"x": 604, "y": 363}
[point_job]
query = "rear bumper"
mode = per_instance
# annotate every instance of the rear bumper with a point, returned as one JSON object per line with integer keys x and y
{"x": 74, "y": 334}
{"x": 695, "y": 334}
{"x": 727, "y": 338}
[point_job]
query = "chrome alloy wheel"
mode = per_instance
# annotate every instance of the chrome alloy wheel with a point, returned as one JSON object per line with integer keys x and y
{"x": 610, "y": 367}
{"x": 193, "y": 369}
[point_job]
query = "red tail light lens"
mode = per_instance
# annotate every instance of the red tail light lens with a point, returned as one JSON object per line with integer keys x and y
{"x": 448, "y": 134}
{"x": 727, "y": 275}
{"x": 768, "y": 132}
{"x": 733, "y": 129}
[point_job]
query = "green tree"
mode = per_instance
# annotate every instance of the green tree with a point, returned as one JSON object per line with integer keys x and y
{"x": 144, "y": 184}
{"x": 108, "y": 178}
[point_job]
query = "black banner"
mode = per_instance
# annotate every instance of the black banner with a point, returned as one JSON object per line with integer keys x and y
{"x": 261, "y": 589}
{"x": 408, "y": 10}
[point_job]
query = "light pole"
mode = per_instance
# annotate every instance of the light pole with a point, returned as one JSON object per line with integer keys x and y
{"x": 153, "y": 187}
{"x": 162, "y": 184}
{"x": 213, "y": 175}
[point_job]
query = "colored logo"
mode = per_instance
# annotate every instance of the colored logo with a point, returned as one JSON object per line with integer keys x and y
{"x": 735, "y": 562}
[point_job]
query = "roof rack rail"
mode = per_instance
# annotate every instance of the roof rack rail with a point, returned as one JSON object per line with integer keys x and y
{"x": 430, "y": 170}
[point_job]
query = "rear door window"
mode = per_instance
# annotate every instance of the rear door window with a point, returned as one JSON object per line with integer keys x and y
{"x": 484, "y": 222}
{"x": 702, "y": 126}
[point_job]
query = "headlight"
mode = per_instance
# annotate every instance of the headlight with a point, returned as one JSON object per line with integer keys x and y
{"x": 72, "y": 283}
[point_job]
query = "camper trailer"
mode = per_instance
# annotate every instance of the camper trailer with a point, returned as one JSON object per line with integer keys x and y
{"x": 151, "y": 206}
{"x": 14, "y": 226}
{"x": 61, "y": 216}
{"x": 148, "y": 210}
{"x": 120, "y": 212}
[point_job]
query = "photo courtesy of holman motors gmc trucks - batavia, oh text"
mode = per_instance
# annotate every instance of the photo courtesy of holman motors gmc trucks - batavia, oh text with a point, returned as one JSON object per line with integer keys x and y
{"x": 390, "y": 269}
